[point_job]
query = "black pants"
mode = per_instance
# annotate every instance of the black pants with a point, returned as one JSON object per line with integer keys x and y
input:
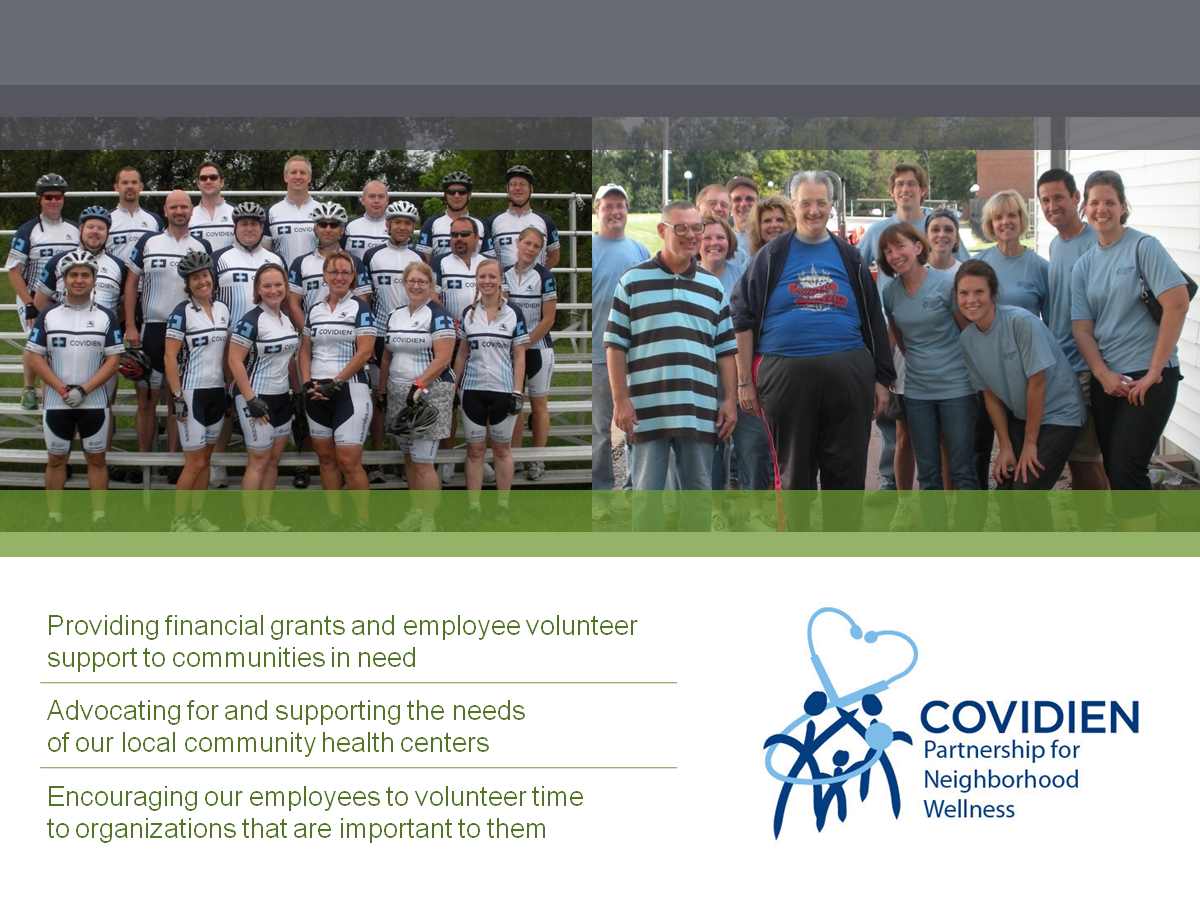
{"x": 818, "y": 415}
{"x": 1031, "y": 511}
{"x": 1128, "y": 436}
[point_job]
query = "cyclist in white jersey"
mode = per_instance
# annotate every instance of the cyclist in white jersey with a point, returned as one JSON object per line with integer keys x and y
{"x": 489, "y": 368}
{"x": 197, "y": 337}
{"x": 290, "y": 222}
{"x": 262, "y": 350}
{"x": 370, "y": 229}
{"x": 75, "y": 348}
{"x": 129, "y": 221}
{"x": 530, "y": 287}
{"x": 504, "y": 228}
{"x": 306, "y": 273}
{"x": 338, "y": 340}
{"x": 153, "y": 262}
{"x": 385, "y": 267}
{"x": 32, "y": 246}
{"x": 212, "y": 219}
{"x": 418, "y": 349}
{"x": 236, "y": 266}
{"x": 434, "y": 239}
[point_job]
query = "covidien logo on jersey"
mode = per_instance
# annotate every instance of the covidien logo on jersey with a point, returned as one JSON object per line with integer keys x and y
{"x": 58, "y": 342}
{"x": 158, "y": 263}
{"x": 453, "y": 284}
{"x": 383, "y": 279}
{"x": 284, "y": 229}
{"x": 811, "y": 754}
{"x": 240, "y": 277}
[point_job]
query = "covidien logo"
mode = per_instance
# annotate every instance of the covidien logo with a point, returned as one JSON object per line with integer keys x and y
{"x": 828, "y": 773}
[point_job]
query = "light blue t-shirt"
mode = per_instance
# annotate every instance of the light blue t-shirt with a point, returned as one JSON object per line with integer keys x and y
{"x": 742, "y": 256}
{"x": 813, "y": 310}
{"x": 1057, "y": 309}
{"x": 868, "y": 245}
{"x": 934, "y": 364}
{"x": 610, "y": 260}
{"x": 730, "y": 277}
{"x": 1017, "y": 347}
{"x": 1024, "y": 279}
{"x": 1106, "y": 290}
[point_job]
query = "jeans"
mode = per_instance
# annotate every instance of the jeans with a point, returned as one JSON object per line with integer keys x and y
{"x": 755, "y": 468}
{"x": 929, "y": 421}
{"x": 887, "y": 453}
{"x": 1128, "y": 436}
{"x": 602, "y": 414}
{"x": 1031, "y": 511}
{"x": 693, "y": 463}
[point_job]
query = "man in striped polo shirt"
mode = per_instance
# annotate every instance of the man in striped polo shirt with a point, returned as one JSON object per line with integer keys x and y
{"x": 670, "y": 344}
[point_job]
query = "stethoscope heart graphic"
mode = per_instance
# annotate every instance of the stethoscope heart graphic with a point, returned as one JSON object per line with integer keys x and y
{"x": 870, "y": 637}
{"x": 878, "y": 735}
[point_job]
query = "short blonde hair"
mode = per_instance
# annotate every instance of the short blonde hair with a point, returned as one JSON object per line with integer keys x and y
{"x": 1002, "y": 202}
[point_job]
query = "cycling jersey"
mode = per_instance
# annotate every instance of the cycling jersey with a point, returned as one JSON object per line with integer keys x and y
{"x": 272, "y": 342}
{"x": 204, "y": 340}
{"x": 128, "y": 228}
{"x": 289, "y": 230}
{"x": 529, "y": 290}
{"x": 491, "y": 346}
{"x": 410, "y": 337}
{"x": 75, "y": 341}
{"x": 36, "y": 242}
{"x": 110, "y": 281}
{"x": 155, "y": 258}
{"x": 456, "y": 282}
{"x": 364, "y": 233}
{"x": 385, "y": 266}
{"x": 306, "y": 278}
{"x": 505, "y": 227}
{"x": 217, "y": 229}
{"x": 334, "y": 334}
{"x": 236, "y": 267}
{"x": 434, "y": 238}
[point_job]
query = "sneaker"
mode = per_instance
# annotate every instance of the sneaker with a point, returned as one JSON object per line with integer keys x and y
{"x": 757, "y": 523}
{"x": 411, "y": 521}
{"x": 489, "y": 474}
{"x": 29, "y": 398}
{"x": 181, "y": 523}
{"x": 470, "y": 522}
{"x": 199, "y": 523}
{"x": 173, "y": 473}
{"x": 535, "y": 471}
{"x": 905, "y": 518}
{"x": 502, "y": 516}
{"x": 447, "y": 473}
{"x": 258, "y": 525}
{"x": 720, "y": 524}
{"x": 358, "y": 523}
{"x": 428, "y": 526}
{"x": 116, "y": 473}
{"x": 601, "y": 513}
{"x": 52, "y": 524}
{"x": 133, "y": 475}
{"x": 273, "y": 524}
{"x": 101, "y": 524}
{"x": 300, "y": 479}
{"x": 218, "y": 477}
{"x": 375, "y": 475}
{"x": 881, "y": 497}
{"x": 518, "y": 468}
{"x": 329, "y": 522}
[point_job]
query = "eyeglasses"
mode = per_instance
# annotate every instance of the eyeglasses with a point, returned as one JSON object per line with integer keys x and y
{"x": 417, "y": 282}
{"x": 457, "y": 192}
{"x": 208, "y": 178}
{"x": 810, "y": 204}
{"x": 53, "y": 197}
{"x": 328, "y": 224}
{"x": 742, "y": 201}
{"x": 341, "y": 272}
{"x": 682, "y": 228}
{"x": 462, "y": 234}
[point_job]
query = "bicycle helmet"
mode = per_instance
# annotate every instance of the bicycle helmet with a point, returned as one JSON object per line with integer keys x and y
{"x": 50, "y": 182}
{"x": 402, "y": 209}
{"x": 96, "y": 212}
{"x": 328, "y": 210}
{"x": 135, "y": 364}
{"x": 194, "y": 261}
{"x": 457, "y": 178}
{"x": 73, "y": 258}
{"x": 249, "y": 210}
{"x": 416, "y": 421}
{"x": 521, "y": 171}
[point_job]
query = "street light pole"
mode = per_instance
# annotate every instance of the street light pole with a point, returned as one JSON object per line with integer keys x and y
{"x": 688, "y": 178}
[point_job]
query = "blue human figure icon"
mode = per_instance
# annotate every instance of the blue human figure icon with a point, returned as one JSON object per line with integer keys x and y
{"x": 877, "y": 733}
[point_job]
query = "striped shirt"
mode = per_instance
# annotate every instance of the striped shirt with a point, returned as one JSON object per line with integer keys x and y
{"x": 385, "y": 266}
{"x": 529, "y": 290}
{"x": 272, "y": 342}
{"x": 236, "y": 267}
{"x": 155, "y": 258}
{"x": 202, "y": 344}
{"x": 76, "y": 341}
{"x": 672, "y": 329}
{"x": 110, "y": 281}
{"x": 490, "y": 347}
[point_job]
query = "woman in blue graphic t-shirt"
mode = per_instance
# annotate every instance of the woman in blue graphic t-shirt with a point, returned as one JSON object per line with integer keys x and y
{"x": 1134, "y": 360}
{"x": 940, "y": 402}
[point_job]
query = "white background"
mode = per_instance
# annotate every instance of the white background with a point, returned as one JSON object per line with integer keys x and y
{"x": 732, "y": 634}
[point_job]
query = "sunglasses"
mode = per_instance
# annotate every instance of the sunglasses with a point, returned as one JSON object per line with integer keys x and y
{"x": 52, "y": 197}
{"x": 462, "y": 234}
{"x": 328, "y": 224}
{"x": 457, "y": 192}
{"x": 208, "y": 178}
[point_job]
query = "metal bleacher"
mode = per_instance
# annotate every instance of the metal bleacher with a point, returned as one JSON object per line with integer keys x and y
{"x": 23, "y": 454}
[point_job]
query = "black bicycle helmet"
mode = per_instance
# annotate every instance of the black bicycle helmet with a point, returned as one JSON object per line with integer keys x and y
{"x": 50, "y": 182}
{"x": 521, "y": 171}
{"x": 457, "y": 178}
{"x": 194, "y": 261}
{"x": 416, "y": 421}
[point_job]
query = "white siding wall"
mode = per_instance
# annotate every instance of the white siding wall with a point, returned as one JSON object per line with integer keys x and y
{"x": 1162, "y": 184}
